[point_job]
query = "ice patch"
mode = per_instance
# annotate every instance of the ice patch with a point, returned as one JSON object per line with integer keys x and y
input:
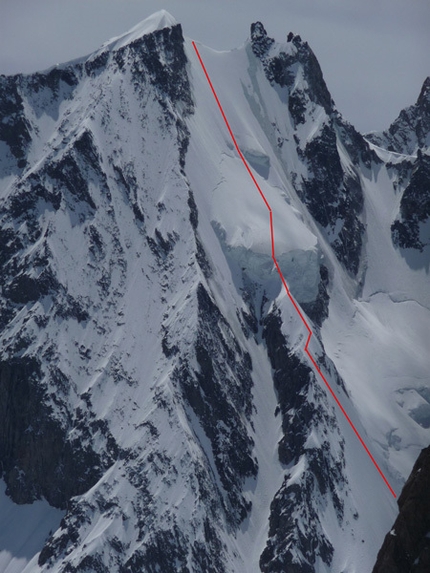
{"x": 416, "y": 401}
{"x": 258, "y": 161}
{"x": 300, "y": 268}
{"x": 421, "y": 415}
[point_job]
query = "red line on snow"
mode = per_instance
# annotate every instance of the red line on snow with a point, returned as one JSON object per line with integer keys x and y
{"x": 284, "y": 282}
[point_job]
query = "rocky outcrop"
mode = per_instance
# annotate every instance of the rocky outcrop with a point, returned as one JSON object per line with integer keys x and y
{"x": 411, "y": 130}
{"x": 332, "y": 193}
{"x": 411, "y": 229}
{"x": 15, "y": 129}
{"x": 317, "y": 468}
{"x": 334, "y": 198}
{"x": 39, "y": 458}
{"x": 279, "y": 69}
{"x": 406, "y": 548}
{"x": 222, "y": 402}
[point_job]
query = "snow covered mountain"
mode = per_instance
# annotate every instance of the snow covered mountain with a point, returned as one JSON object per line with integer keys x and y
{"x": 158, "y": 411}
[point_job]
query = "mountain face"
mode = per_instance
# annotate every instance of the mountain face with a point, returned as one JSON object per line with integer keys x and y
{"x": 411, "y": 229}
{"x": 158, "y": 411}
{"x": 408, "y": 136}
{"x": 410, "y": 131}
{"x": 331, "y": 191}
{"x": 407, "y": 547}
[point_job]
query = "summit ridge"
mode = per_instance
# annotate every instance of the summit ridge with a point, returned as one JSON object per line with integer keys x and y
{"x": 154, "y": 23}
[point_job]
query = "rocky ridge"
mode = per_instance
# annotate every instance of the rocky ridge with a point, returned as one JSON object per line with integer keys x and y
{"x": 331, "y": 192}
{"x": 410, "y": 130}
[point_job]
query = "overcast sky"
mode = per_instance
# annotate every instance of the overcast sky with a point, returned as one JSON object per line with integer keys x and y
{"x": 375, "y": 54}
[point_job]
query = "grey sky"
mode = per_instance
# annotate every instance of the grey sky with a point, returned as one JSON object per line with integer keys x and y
{"x": 375, "y": 54}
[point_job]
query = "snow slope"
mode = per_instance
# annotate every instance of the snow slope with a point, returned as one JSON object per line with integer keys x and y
{"x": 376, "y": 336}
{"x": 229, "y": 74}
{"x": 142, "y": 312}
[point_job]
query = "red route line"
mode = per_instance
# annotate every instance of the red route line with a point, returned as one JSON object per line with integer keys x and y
{"x": 284, "y": 282}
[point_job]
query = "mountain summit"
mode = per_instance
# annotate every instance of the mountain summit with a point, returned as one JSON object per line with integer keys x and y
{"x": 158, "y": 411}
{"x": 158, "y": 21}
{"x": 410, "y": 131}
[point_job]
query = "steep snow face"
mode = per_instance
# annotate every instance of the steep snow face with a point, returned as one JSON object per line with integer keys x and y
{"x": 166, "y": 405}
{"x": 238, "y": 214}
{"x": 375, "y": 357}
{"x": 102, "y": 294}
{"x": 255, "y": 110}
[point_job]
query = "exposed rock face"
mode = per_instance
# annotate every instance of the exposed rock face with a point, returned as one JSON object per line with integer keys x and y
{"x": 280, "y": 69}
{"x": 300, "y": 398}
{"x": 14, "y": 126}
{"x": 221, "y": 409}
{"x": 17, "y": 129}
{"x": 332, "y": 193}
{"x": 411, "y": 230}
{"x": 318, "y": 309}
{"x": 411, "y": 130}
{"x": 39, "y": 457}
{"x": 406, "y": 548}
{"x": 409, "y": 135}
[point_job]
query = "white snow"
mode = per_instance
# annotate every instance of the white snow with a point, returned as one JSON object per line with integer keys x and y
{"x": 377, "y": 341}
{"x": 157, "y": 21}
{"x": 237, "y": 210}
